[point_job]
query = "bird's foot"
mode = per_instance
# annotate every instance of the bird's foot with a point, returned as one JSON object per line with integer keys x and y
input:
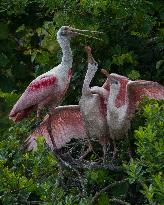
{"x": 114, "y": 153}
{"x": 106, "y": 148}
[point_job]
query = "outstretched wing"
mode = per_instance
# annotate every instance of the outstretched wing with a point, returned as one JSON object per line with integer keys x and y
{"x": 66, "y": 123}
{"x": 37, "y": 91}
{"x": 136, "y": 90}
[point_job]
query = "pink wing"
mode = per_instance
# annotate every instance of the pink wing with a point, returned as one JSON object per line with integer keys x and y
{"x": 66, "y": 124}
{"x": 136, "y": 90}
{"x": 37, "y": 91}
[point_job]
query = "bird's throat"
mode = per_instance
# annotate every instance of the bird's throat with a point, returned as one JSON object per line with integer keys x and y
{"x": 67, "y": 58}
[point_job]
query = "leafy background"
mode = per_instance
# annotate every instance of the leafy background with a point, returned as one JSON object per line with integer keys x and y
{"x": 132, "y": 45}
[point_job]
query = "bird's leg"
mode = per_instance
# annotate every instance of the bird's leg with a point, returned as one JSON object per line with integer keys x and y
{"x": 104, "y": 141}
{"x": 42, "y": 104}
{"x": 115, "y": 150}
{"x": 129, "y": 147}
{"x": 90, "y": 147}
{"x": 38, "y": 112}
{"x": 38, "y": 120}
{"x": 104, "y": 152}
{"x": 106, "y": 148}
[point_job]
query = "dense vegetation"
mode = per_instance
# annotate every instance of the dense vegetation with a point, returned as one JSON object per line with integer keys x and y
{"x": 132, "y": 45}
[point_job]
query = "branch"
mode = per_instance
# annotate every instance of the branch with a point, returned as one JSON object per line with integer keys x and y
{"x": 109, "y": 187}
{"x": 94, "y": 165}
{"x": 64, "y": 163}
{"x": 83, "y": 164}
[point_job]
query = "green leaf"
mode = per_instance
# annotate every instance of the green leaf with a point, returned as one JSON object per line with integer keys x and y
{"x": 3, "y": 31}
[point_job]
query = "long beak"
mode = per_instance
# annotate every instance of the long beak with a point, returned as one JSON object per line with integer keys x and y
{"x": 88, "y": 36}
{"x": 78, "y": 32}
{"x": 75, "y": 29}
{"x": 105, "y": 72}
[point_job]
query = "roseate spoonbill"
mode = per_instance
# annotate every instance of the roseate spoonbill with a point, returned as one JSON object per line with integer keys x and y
{"x": 92, "y": 105}
{"x": 119, "y": 114}
{"x": 66, "y": 123}
{"x": 48, "y": 88}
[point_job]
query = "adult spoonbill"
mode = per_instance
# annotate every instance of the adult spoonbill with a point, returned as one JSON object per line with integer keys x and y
{"x": 119, "y": 114}
{"x": 48, "y": 88}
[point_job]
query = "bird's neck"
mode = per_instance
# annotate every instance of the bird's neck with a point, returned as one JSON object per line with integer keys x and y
{"x": 116, "y": 115}
{"x": 112, "y": 107}
{"x": 88, "y": 78}
{"x": 67, "y": 58}
{"x": 112, "y": 98}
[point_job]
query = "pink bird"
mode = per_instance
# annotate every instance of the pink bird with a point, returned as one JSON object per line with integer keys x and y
{"x": 93, "y": 105}
{"x": 123, "y": 101}
{"x": 48, "y": 88}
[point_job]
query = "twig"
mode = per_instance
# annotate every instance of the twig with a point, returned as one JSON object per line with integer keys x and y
{"x": 73, "y": 168}
{"x": 106, "y": 188}
{"x": 82, "y": 164}
{"x": 94, "y": 165}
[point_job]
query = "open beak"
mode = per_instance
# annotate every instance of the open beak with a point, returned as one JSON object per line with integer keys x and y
{"x": 79, "y": 32}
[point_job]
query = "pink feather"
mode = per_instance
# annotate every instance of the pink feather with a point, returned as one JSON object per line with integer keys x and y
{"x": 66, "y": 123}
{"x": 37, "y": 91}
{"x": 136, "y": 90}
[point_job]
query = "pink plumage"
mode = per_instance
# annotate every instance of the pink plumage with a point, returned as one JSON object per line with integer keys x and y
{"x": 136, "y": 90}
{"x": 123, "y": 99}
{"x": 66, "y": 123}
{"x": 44, "y": 82}
{"x": 47, "y": 89}
{"x": 42, "y": 92}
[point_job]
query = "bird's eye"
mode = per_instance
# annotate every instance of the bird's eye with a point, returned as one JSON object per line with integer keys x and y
{"x": 115, "y": 82}
{"x": 64, "y": 32}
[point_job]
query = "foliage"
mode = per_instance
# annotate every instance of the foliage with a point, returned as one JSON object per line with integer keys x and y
{"x": 147, "y": 168}
{"x": 37, "y": 177}
{"x": 132, "y": 45}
